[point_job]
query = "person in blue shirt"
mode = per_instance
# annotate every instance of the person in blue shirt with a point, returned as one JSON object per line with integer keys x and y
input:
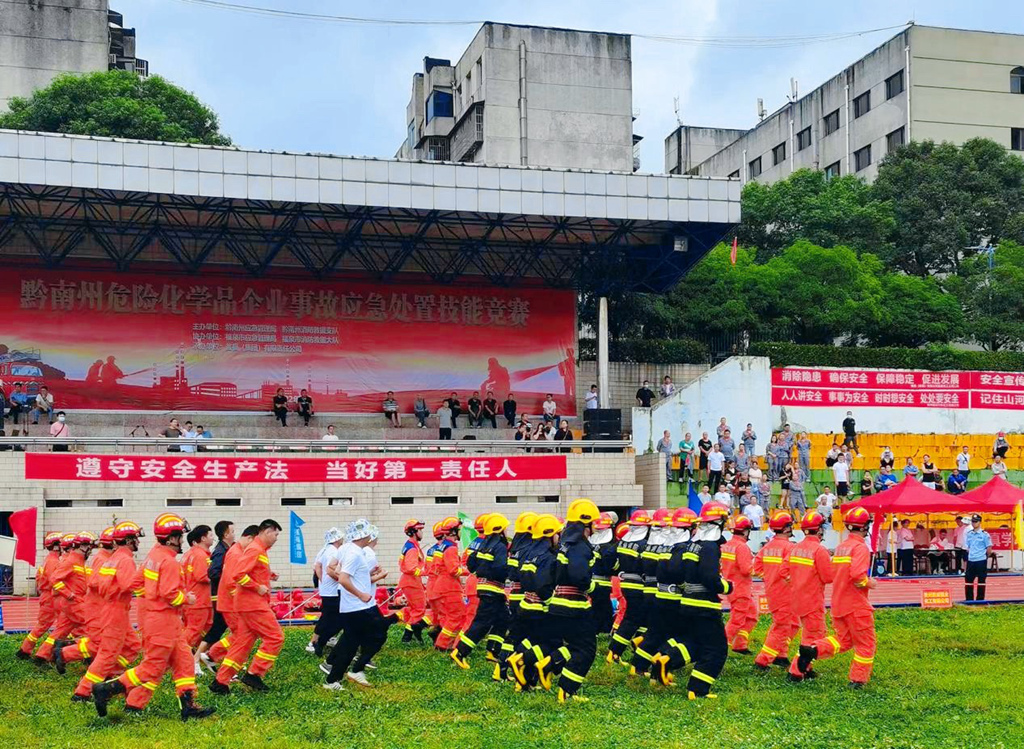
{"x": 19, "y": 405}
{"x": 978, "y": 543}
{"x": 886, "y": 479}
{"x": 956, "y": 483}
{"x": 910, "y": 469}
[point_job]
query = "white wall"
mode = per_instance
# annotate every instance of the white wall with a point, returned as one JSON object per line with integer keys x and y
{"x": 896, "y": 420}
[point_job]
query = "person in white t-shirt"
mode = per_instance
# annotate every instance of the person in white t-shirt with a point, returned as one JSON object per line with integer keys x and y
{"x": 330, "y": 436}
{"x": 723, "y": 496}
{"x": 550, "y": 409}
{"x": 963, "y": 461}
{"x": 361, "y": 620}
{"x": 753, "y": 511}
{"x": 940, "y": 553}
{"x": 841, "y": 473}
{"x": 826, "y": 502}
{"x": 329, "y": 623}
{"x": 998, "y": 467}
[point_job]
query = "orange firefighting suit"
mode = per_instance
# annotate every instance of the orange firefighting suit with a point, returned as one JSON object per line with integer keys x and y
{"x": 226, "y": 601}
{"x": 451, "y": 607}
{"x": 92, "y": 611}
{"x": 738, "y": 568}
{"x": 69, "y": 588}
{"x": 47, "y": 605}
{"x": 810, "y": 570}
{"x": 772, "y": 564}
{"x": 199, "y": 615}
{"x": 411, "y": 565}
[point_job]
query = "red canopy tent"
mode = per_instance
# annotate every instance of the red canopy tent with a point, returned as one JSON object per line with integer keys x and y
{"x": 911, "y": 497}
{"x": 996, "y": 495}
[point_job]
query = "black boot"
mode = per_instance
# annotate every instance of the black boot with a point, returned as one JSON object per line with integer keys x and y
{"x": 253, "y": 682}
{"x": 217, "y": 688}
{"x": 417, "y": 631}
{"x": 58, "y": 656}
{"x": 102, "y": 694}
{"x": 407, "y": 635}
{"x": 189, "y": 708}
{"x": 781, "y": 661}
{"x": 81, "y": 698}
{"x": 808, "y": 654}
{"x": 21, "y": 655}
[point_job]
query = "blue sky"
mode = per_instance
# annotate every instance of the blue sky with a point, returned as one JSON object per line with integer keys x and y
{"x": 338, "y": 88}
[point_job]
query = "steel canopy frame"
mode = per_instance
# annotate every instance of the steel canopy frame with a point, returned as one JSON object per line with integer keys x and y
{"x": 600, "y": 256}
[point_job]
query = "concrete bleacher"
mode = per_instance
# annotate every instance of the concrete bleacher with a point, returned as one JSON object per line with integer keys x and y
{"x": 943, "y": 449}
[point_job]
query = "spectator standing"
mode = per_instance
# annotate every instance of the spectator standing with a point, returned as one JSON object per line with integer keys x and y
{"x": 172, "y": 432}
{"x": 850, "y": 432}
{"x": 960, "y": 543}
{"x": 939, "y": 552}
{"x": 43, "y": 405}
{"x": 704, "y": 445}
{"x": 753, "y": 511}
{"x": 667, "y": 388}
{"x": 188, "y": 434}
{"x": 786, "y": 440}
{"x": 721, "y": 429}
{"x": 474, "y": 407}
{"x": 789, "y": 471}
{"x": 963, "y": 462}
{"x": 644, "y": 395}
{"x": 456, "y": 409}
{"x": 490, "y": 410}
{"x": 716, "y": 465}
{"x": 1001, "y": 446}
{"x": 59, "y": 428}
{"x": 749, "y": 439}
{"x": 754, "y": 473}
{"x": 508, "y": 408}
{"x": 905, "y": 548}
{"x": 764, "y": 495}
{"x": 704, "y": 495}
{"x": 998, "y": 467}
{"x": 797, "y": 498}
{"x": 867, "y": 485}
{"x": 664, "y": 448}
{"x": 202, "y": 434}
{"x": 445, "y": 421}
{"x": 686, "y": 450}
{"x": 279, "y": 407}
{"x": 330, "y": 436}
{"x": 803, "y": 454}
{"x": 910, "y": 470}
{"x": 305, "y": 404}
{"x": 929, "y": 473}
{"x": 421, "y": 411}
{"x": 550, "y": 409}
{"x": 390, "y": 407}
{"x": 590, "y": 399}
{"x": 727, "y": 445}
{"x": 742, "y": 459}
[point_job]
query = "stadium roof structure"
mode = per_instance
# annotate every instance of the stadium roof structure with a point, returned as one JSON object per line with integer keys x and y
{"x": 76, "y": 200}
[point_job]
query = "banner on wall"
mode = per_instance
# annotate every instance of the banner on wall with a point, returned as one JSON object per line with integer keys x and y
{"x": 211, "y": 343}
{"x": 803, "y": 386}
{"x": 192, "y": 469}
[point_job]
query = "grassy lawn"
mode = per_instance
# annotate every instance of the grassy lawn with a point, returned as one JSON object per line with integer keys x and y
{"x": 942, "y": 679}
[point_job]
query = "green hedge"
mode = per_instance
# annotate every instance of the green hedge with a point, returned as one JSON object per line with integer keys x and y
{"x": 934, "y": 358}
{"x": 662, "y": 351}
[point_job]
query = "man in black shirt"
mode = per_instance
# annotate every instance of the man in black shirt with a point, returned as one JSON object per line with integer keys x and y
{"x": 490, "y": 410}
{"x": 850, "y": 432}
{"x": 508, "y": 408}
{"x": 225, "y": 531}
{"x": 474, "y": 409}
{"x": 645, "y": 395}
{"x": 305, "y": 406}
{"x": 453, "y": 404}
{"x": 280, "y": 407}
{"x": 172, "y": 432}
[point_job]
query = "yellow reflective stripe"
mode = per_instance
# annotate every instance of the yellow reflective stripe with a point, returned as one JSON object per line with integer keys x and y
{"x": 801, "y": 560}
{"x": 834, "y": 642}
{"x": 139, "y": 592}
{"x": 489, "y": 589}
{"x": 697, "y": 603}
{"x": 90, "y": 676}
{"x": 629, "y": 552}
{"x": 702, "y": 676}
{"x": 571, "y": 676}
{"x": 49, "y": 640}
{"x": 488, "y": 557}
{"x": 79, "y": 568}
{"x": 189, "y": 568}
{"x": 265, "y": 655}
{"x": 123, "y": 661}
{"x": 178, "y": 599}
{"x": 729, "y": 555}
{"x": 263, "y": 558}
{"x": 691, "y": 556}
{"x": 726, "y": 586}
{"x": 59, "y": 586}
{"x": 631, "y": 586}
{"x": 562, "y": 558}
{"x": 151, "y": 574}
{"x": 665, "y": 596}
{"x": 108, "y": 571}
{"x": 528, "y": 606}
{"x": 130, "y": 673}
{"x": 151, "y": 686}
{"x": 528, "y": 568}
{"x": 232, "y": 664}
{"x": 88, "y": 571}
{"x": 513, "y": 562}
{"x": 771, "y": 560}
{"x": 769, "y": 651}
{"x": 83, "y": 647}
{"x": 842, "y": 560}
{"x": 31, "y": 638}
{"x": 189, "y": 680}
{"x": 466, "y": 640}
{"x": 864, "y": 661}
{"x": 244, "y": 580}
{"x": 569, "y": 603}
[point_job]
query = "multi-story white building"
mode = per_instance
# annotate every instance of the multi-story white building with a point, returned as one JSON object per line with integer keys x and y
{"x": 527, "y": 96}
{"x": 925, "y": 83}
{"x": 41, "y": 40}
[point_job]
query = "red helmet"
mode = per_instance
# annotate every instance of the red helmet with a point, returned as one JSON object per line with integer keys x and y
{"x": 450, "y": 524}
{"x": 604, "y": 522}
{"x": 713, "y": 512}
{"x": 661, "y": 518}
{"x": 621, "y": 531}
{"x": 437, "y": 531}
{"x": 413, "y": 525}
{"x": 86, "y": 537}
{"x": 856, "y": 517}
{"x": 51, "y": 540}
{"x": 168, "y": 524}
{"x": 67, "y": 540}
{"x": 107, "y": 537}
{"x": 640, "y": 517}
{"x": 742, "y": 523}
{"x": 684, "y": 517}
{"x": 812, "y": 521}
{"x": 779, "y": 520}
{"x": 127, "y": 529}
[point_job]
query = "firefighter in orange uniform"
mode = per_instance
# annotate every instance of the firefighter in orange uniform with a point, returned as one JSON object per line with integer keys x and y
{"x": 430, "y": 568}
{"x": 47, "y": 605}
{"x": 69, "y": 585}
{"x": 852, "y": 614}
{"x": 164, "y": 642}
{"x": 810, "y": 570}
{"x": 226, "y": 597}
{"x": 772, "y": 564}
{"x": 253, "y": 615}
{"x": 115, "y": 585}
{"x": 411, "y": 564}
{"x": 738, "y": 568}
{"x": 196, "y": 565}
{"x": 448, "y": 588}
{"x": 88, "y": 645}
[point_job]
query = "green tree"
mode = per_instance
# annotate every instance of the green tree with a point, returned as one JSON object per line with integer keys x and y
{"x": 806, "y": 205}
{"x": 993, "y": 297}
{"x": 915, "y": 311}
{"x": 119, "y": 104}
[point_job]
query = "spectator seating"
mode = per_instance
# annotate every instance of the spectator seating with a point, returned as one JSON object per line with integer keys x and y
{"x": 942, "y": 447}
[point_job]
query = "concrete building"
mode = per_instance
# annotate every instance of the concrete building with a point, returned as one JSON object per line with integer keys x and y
{"x": 527, "y": 96}
{"x": 689, "y": 146}
{"x": 40, "y": 40}
{"x": 925, "y": 83}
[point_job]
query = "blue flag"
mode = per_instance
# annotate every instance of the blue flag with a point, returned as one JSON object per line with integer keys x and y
{"x": 694, "y": 503}
{"x": 297, "y": 544}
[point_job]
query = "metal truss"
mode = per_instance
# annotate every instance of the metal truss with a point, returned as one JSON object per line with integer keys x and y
{"x": 60, "y": 224}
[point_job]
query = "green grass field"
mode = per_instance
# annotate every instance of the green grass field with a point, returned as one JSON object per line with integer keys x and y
{"x": 949, "y": 678}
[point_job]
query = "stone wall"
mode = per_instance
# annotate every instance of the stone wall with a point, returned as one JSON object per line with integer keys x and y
{"x": 625, "y": 380}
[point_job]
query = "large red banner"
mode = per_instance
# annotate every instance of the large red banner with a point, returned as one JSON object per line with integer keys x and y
{"x": 191, "y": 468}
{"x": 158, "y": 342}
{"x": 803, "y": 386}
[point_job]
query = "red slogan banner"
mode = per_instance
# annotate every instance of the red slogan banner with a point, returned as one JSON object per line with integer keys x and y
{"x": 191, "y": 469}
{"x": 800, "y": 386}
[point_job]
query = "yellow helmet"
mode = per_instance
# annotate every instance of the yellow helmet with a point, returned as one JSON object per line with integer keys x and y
{"x": 495, "y": 522}
{"x": 582, "y": 511}
{"x": 546, "y": 526}
{"x": 524, "y": 523}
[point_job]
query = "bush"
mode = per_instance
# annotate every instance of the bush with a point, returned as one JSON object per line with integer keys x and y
{"x": 935, "y": 358}
{"x": 654, "y": 351}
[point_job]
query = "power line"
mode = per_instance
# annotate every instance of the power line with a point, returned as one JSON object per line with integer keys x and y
{"x": 761, "y": 42}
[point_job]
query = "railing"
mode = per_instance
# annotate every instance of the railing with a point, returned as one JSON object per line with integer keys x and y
{"x": 151, "y": 444}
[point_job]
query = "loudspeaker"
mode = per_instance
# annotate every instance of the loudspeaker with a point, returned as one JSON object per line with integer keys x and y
{"x": 602, "y": 421}
{"x": 591, "y": 437}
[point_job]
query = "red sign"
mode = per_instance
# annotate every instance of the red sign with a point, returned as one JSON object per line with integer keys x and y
{"x": 802, "y": 386}
{"x": 1002, "y": 539}
{"x": 189, "y": 468}
{"x": 221, "y": 343}
{"x": 936, "y": 599}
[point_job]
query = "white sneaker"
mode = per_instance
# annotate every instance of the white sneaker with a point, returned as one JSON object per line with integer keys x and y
{"x": 334, "y": 686}
{"x": 325, "y": 668}
{"x": 371, "y": 665}
{"x": 199, "y": 670}
{"x": 359, "y": 678}
{"x": 310, "y": 648}
{"x": 208, "y": 662}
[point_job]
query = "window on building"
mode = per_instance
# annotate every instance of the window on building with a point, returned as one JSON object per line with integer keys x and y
{"x": 862, "y": 158}
{"x": 204, "y": 502}
{"x": 862, "y": 105}
{"x": 1017, "y": 138}
{"x": 65, "y": 503}
{"x": 831, "y": 121}
{"x": 439, "y": 104}
{"x": 511, "y": 499}
{"x": 894, "y": 85}
{"x": 894, "y": 140}
{"x": 734, "y": 175}
{"x": 779, "y": 154}
{"x": 293, "y": 501}
{"x": 446, "y": 500}
{"x": 1017, "y": 80}
{"x": 412, "y": 136}
{"x": 832, "y": 170}
{"x": 343, "y": 501}
{"x": 402, "y": 500}
{"x": 754, "y": 168}
{"x": 803, "y": 139}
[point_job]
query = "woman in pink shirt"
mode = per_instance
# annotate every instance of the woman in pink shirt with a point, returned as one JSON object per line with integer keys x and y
{"x": 59, "y": 428}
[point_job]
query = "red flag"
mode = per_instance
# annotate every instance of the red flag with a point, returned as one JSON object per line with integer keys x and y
{"x": 23, "y": 523}
{"x": 735, "y": 246}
